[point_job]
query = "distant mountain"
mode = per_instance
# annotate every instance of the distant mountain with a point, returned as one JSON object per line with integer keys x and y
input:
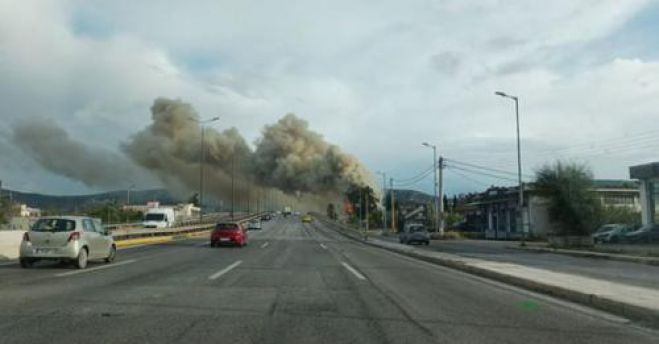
{"x": 70, "y": 203}
{"x": 410, "y": 196}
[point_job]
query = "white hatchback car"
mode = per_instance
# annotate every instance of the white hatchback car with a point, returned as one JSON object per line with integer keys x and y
{"x": 74, "y": 239}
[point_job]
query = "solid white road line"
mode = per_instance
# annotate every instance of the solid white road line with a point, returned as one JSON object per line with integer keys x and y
{"x": 323, "y": 246}
{"x": 354, "y": 272}
{"x": 102, "y": 267}
{"x": 225, "y": 270}
{"x": 265, "y": 245}
{"x": 9, "y": 263}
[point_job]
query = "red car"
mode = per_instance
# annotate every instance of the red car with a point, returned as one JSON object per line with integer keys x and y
{"x": 229, "y": 233}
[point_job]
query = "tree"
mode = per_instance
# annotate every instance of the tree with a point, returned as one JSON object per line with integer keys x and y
{"x": 112, "y": 213}
{"x": 359, "y": 196}
{"x": 445, "y": 204}
{"x": 7, "y": 210}
{"x": 194, "y": 199}
{"x": 572, "y": 205}
{"x": 331, "y": 211}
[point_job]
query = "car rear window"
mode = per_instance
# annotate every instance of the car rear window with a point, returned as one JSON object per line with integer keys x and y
{"x": 227, "y": 227}
{"x": 54, "y": 225}
{"x": 414, "y": 229}
{"x": 154, "y": 217}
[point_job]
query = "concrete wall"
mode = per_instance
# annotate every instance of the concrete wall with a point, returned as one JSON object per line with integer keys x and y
{"x": 9, "y": 244}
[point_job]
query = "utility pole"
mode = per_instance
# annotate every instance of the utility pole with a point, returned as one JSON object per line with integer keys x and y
{"x": 393, "y": 210}
{"x": 441, "y": 195}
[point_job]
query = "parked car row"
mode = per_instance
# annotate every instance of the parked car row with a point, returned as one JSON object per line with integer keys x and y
{"x": 623, "y": 233}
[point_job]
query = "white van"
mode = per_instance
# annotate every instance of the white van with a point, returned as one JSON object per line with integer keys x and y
{"x": 159, "y": 218}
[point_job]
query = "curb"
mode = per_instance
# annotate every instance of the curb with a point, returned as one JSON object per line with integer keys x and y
{"x": 642, "y": 315}
{"x": 590, "y": 254}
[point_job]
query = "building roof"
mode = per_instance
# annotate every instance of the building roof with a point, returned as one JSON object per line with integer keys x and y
{"x": 644, "y": 171}
{"x": 615, "y": 184}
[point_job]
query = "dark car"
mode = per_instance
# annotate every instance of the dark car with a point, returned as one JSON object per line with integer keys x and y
{"x": 266, "y": 217}
{"x": 414, "y": 233}
{"x": 230, "y": 233}
{"x": 647, "y": 233}
{"x": 612, "y": 233}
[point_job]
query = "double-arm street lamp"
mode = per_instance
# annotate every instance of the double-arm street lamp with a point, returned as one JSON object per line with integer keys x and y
{"x": 202, "y": 161}
{"x": 519, "y": 164}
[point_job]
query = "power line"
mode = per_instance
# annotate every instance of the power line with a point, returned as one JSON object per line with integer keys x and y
{"x": 412, "y": 182}
{"x": 420, "y": 175}
{"x": 487, "y": 168}
{"x": 482, "y": 173}
{"x": 470, "y": 178}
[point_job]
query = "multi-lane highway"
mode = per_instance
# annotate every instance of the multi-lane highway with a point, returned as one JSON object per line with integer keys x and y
{"x": 293, "y": 283}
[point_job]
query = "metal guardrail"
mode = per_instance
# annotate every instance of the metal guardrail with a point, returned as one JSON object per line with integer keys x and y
{"x": 181, "y": 230}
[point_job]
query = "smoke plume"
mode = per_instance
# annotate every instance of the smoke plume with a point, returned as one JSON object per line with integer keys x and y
{"x": 290, "y": 161}
{"x": 53, "y": 149}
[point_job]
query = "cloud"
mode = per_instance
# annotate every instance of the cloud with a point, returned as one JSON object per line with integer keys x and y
{"x": 375, "y": 79}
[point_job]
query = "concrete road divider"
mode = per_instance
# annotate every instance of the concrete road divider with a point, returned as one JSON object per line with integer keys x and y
{"x": 9, "y": 244}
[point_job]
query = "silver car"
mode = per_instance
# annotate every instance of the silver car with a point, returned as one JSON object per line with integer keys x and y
{"x": 74, "y": 239}
{"x": 414, "y": 232}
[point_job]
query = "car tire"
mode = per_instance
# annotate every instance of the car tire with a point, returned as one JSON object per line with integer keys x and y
{"x": 82, "y": 259}
{"x": 26, "y": 263}
{"x": 614, "y": 240}
{"x": 427, "y": 243}
{"x": 111, "y": 255}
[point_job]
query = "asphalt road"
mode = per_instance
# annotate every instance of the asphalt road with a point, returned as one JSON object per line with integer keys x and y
{"x": 622, "y": 272}
{"x": 293, "y": 283}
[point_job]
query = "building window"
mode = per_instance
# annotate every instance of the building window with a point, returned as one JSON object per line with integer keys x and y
{"x": 615, "y": 199}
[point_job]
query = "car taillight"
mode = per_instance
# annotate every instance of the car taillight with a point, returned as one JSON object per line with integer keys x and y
{"x": 74, "y": 236}
{"x": 26, "y": 237}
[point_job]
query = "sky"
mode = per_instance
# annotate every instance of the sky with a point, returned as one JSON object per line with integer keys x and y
{"x": 377, "y": 78}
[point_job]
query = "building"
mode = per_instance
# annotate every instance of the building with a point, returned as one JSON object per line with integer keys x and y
{"x": 648, "y": 187}
{"x": 494, "y": 212}
{"x": 25, "y": 211}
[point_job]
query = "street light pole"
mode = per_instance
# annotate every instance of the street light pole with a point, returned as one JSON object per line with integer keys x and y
{"x": 384, "y": 193}
{"x": 519, "y": 165}
{"x": 233, "y": 190}
{"x": 202, "y": 161}
{"x": 438, "y": 227}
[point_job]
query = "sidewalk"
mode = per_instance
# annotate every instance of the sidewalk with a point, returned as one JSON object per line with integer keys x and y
{"x": 639, "y": 303}
{"x": 643, "y": 254}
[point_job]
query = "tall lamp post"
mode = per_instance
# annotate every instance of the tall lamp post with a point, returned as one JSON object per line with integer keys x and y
{"x": 384, "y": 192}
{"x": 519, "y": 165}
{"x": 202, "y": 162}
{"x": 130, "y": 187}
{"x": 438, "y": 226}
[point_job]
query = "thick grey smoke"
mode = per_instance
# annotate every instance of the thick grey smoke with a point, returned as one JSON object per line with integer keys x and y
{"x": 290, "y": 160}
{"x": 288, "y": 157}
{"x": 294, "y": 158}
{"x": 53, "y": 149}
